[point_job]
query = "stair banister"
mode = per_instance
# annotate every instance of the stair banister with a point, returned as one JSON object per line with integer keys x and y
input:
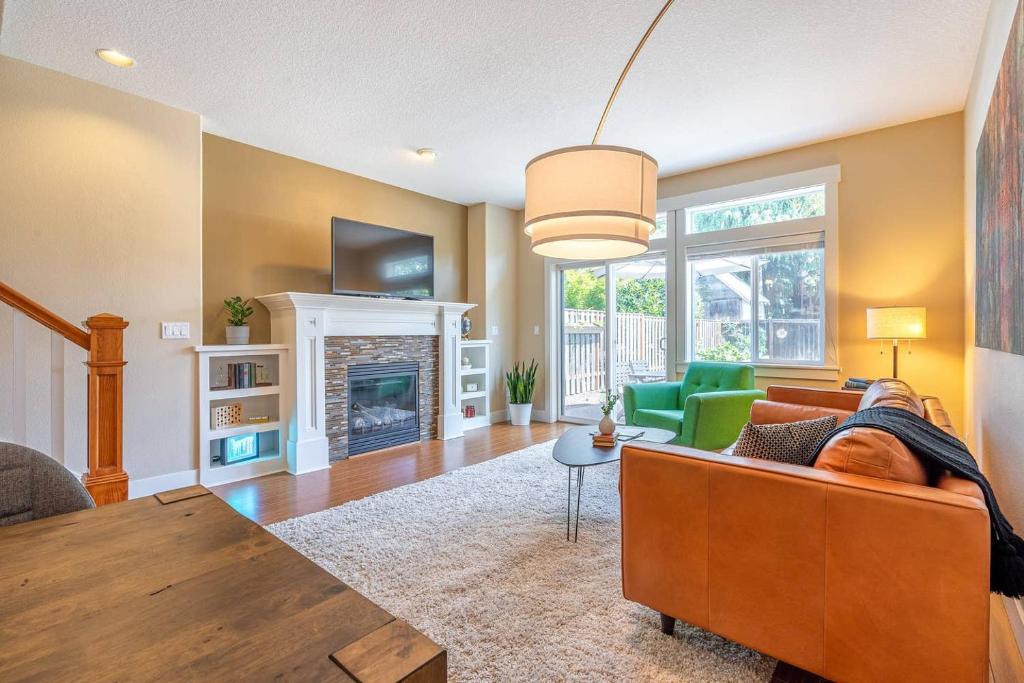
{"x": 103, "y": 339}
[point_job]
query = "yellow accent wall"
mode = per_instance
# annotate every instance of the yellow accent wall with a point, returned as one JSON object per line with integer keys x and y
{"x": 267, "y": 228}
{"x": 900, "y": 243}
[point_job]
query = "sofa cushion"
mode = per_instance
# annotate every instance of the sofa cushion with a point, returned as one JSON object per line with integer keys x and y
{"x": 791, "y": 442}
{"x": 872, "y": 453}
{"x": 773, "y": 412}
{"x": 671, "y": 420}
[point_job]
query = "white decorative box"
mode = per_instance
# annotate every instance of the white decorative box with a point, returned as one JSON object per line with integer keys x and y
{"x": 226, "y": 416}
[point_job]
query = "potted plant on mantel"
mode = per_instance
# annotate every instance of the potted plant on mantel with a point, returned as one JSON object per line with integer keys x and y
{"x": 520, "y": 381}
{"x": 237, "y": 331}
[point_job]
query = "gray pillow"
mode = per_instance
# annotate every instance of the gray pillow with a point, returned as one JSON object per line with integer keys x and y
{"x": 790, "y": 442}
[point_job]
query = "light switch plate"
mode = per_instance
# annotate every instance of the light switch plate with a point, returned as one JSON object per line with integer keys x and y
{"x": 174, "y": 331}
{"x": 536, "y": 330}
{"x": 494, "y": 330}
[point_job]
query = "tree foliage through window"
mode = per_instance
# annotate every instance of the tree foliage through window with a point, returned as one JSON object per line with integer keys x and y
{"x": 712, "y": 218}
{"x": 584, "y": 289}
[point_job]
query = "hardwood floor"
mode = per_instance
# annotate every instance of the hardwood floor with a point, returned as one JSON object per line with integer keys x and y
{"x": 275, "y": 497}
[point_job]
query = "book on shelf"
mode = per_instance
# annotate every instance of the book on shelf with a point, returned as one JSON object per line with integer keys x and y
{"x": 858, "y": 383}
{"x": 246, "y": 376}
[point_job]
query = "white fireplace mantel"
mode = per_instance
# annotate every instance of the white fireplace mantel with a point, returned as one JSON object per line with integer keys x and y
{"x": 303, "y": 321}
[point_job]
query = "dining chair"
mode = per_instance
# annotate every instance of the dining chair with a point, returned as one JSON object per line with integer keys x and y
{"x": 34, "y": 485}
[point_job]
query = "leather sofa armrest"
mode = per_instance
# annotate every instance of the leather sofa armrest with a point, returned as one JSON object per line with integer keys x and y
{"x": 713, "y": 420}
{"x": 937, "y": 415}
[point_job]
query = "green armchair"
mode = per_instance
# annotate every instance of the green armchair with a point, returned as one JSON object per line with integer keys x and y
{"x": 706, "y": 410}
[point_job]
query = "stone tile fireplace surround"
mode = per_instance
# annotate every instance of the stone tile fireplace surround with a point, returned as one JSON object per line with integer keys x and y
{"x": 342, "y": 352}
{"x": 305, "y": 322}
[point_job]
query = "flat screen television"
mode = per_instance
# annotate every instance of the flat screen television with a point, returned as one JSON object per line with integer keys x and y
{"x": 372, "y": 260}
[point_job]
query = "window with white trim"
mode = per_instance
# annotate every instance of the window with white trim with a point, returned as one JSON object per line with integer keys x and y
{"x": 757, "y": 271}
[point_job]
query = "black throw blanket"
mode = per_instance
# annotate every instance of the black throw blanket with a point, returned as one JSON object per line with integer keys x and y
{"x": 940, "y": 451}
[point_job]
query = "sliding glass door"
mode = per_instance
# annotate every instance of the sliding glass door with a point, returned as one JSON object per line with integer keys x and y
{"x": 613, "y": 331}
{"x": 584, "y": 361}
{"x": 640, "y": 321}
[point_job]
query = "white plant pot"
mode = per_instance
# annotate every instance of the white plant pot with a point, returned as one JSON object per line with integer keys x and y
{"x": 237, "y": 334}
{"x": 606, "y": 425}
{"x": 519, "y": 413}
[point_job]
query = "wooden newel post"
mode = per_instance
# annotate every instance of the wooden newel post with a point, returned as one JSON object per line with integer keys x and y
{"x": 106, "y": 479}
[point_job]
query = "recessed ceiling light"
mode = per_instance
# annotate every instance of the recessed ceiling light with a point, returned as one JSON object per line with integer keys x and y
{"x": 426, "y": 154}
{"x": 116, "y": 58}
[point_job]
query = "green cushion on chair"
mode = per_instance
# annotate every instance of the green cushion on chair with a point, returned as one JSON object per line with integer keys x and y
{"x": 701, "y": 378}
{"x": 671, "y": 420}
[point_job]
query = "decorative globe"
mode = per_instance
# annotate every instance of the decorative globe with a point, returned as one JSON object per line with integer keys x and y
{"x": 467, "y": 326}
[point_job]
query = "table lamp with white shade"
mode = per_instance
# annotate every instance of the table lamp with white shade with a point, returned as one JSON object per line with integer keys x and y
{"x": 896, "y": 323}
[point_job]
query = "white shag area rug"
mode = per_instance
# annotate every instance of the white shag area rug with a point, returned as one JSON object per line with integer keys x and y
{"x": 477, "y": 559}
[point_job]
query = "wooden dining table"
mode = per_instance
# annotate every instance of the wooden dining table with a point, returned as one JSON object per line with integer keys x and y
{"x": 180, "y": 587}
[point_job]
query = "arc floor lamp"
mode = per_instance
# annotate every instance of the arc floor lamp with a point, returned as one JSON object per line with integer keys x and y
{"x": 593, "y": 201}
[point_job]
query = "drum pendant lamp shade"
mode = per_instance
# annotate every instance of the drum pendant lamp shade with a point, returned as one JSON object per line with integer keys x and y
{"x": 591, "y": 202}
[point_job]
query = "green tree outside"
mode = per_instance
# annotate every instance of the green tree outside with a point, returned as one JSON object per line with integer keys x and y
{"x": 585, "y": 290}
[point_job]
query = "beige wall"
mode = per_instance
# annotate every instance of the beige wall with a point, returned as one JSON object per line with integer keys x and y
{"x": 993, "y": 379}
{"x": 267, "y": 228}
{"x": 100, "y": 212}
{"x": 491, "y": 265}
{"x": 530, "y": 313}
{"x": 476, "y": 268}
{"x": 900, "y": 242}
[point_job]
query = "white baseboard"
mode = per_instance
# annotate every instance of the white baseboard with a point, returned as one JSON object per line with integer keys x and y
{"x": 138, "y": 488}
{"x": 541, "y": 416}
{"x": 536, "y": 416}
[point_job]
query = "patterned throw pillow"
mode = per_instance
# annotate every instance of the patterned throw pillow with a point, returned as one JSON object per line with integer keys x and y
{"x": 791, "y": 442}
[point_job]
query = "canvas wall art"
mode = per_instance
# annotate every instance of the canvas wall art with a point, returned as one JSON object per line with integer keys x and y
{"x": 999, "y": 322}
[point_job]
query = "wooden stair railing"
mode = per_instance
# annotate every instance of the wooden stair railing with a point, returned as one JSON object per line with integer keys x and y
{"x": 103, "y": 339}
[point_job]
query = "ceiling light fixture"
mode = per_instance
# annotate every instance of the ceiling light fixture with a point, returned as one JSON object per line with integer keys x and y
{"x": 426, "y": 154}
{"x": 116, "y": 58}
{"x": 593, "y": 201}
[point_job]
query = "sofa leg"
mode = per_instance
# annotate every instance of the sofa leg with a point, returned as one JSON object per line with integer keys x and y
{"x": 668, "y": 624}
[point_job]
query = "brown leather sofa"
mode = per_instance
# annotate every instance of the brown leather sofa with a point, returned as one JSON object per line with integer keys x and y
{"x": 865, "y": 567}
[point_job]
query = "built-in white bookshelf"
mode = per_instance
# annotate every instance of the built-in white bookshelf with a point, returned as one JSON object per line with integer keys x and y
{"x": 247, "y": 382}
{"x": 474, "y": 382}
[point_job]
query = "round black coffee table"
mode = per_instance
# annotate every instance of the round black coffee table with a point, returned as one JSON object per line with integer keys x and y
{"x": 575, "y": 448}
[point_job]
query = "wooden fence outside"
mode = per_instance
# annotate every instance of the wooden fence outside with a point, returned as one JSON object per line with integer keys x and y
{"x": 640, "y": 338}
{"x": 643, "y": 338}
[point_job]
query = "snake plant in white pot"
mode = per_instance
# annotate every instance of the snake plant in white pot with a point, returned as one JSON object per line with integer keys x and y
{"x": 520, "y": 381}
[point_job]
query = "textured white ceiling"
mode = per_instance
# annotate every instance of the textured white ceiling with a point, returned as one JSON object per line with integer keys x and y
{"x": 359, "y": 85}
